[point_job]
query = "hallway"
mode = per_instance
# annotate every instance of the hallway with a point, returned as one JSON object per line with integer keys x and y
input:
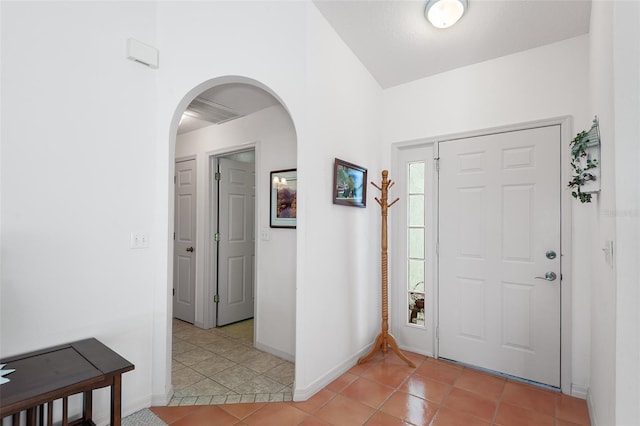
{"x": 220, "y": 366}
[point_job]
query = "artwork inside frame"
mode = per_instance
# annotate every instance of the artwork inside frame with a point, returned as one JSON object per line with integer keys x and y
{"x": 284, "y": 198}
{"x": 349, "y": 184}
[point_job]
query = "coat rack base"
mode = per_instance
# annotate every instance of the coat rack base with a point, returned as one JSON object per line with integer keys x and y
{"x": 383, "y": 341}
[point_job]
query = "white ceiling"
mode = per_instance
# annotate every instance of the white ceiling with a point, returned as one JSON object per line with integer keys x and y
{"x": 397, "y": 44}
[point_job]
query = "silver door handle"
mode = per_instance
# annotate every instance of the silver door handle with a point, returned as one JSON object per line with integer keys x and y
{"x": 549, "y": 276}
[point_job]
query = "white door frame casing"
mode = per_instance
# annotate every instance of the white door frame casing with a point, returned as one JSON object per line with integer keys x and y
{"x": 211, "y": 248}
{"x": 565, "y": 124}
{"x": 416, "y": 337}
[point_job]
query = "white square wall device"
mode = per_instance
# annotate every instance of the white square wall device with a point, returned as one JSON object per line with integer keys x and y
{"x": 143, "y": 53}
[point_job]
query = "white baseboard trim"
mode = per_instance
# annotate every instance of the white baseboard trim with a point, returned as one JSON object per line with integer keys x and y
{"x": 161, "y": 400}
{"x": 592, "y": 413}
{"x": 273, "y": 351}
{"x": 415, "y": 351}
{"x": 579, "y": 391}
{"x": 321, "y": 382}
{"x": 136, "y": 406}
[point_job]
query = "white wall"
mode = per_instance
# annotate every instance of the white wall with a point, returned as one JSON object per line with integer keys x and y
{"x": 615, "y": 75}
{"x": 339, "y": 249}
{"x": 334, "y": 104}
{"x": 626, "y": 79}
{"x": 542, "y": 83}
{"x": 78, "y": 172}
{"x": 207, "y": 43}
{"x": 88, "y": 155}
{"x": 272, "y": 132}
{"x": 602, "y": 392}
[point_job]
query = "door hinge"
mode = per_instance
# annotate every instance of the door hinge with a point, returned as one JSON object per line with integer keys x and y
{"x": 174, "y": 179}
{"x": 216, "y": 236}
{"x": 217, "y": 176}
{"x": 436, "y": 163}
{"x": 174, "y": 291}
{"x": 174, "y": 235}
{"x": 216, "y": 298}
{"x": 437, "y": 332}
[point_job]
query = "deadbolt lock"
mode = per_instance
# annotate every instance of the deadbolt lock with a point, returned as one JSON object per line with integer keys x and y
{"x": 551, "y": 254}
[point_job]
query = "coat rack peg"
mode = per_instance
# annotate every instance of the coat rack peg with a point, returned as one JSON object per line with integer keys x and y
{"x": 385, "y": 339}
{"x": 391, "y": 183}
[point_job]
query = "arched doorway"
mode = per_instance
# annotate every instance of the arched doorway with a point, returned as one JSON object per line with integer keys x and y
{"x": 249, "y": 118}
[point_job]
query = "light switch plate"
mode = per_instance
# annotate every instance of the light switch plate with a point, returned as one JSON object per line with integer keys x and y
{"x": 139, "y": 240}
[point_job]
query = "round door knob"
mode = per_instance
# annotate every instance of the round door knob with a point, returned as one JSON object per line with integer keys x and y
{"x": 190, "y": 249}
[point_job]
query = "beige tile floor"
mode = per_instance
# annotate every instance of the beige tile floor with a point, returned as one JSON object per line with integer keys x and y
{"x": 220, "y": 366}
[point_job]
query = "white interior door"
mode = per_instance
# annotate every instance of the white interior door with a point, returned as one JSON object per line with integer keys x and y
{"x": 499, "y": 217}
{"x": 184, "y": 261}
{"x": 236, "y": 189}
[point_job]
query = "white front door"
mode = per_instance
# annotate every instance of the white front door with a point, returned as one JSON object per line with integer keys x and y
{"x": 184, "y": 260}
{"x": 499, "y": 230}
{"x": 236, "y": 240}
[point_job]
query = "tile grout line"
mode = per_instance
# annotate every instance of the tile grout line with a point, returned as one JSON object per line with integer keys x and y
{"x": 444, "y": 398}
{"x": 283, "y": 393}
{"x": 499, "y": 401}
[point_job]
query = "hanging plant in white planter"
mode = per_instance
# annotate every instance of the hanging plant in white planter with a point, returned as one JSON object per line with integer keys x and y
{"x": 585, "y": 150}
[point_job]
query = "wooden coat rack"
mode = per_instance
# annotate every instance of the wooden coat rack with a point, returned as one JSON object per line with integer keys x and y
{"x": 385, "y": 339}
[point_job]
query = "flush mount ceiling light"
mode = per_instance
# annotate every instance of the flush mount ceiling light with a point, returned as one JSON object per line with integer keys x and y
{"x": 445, "y": 13}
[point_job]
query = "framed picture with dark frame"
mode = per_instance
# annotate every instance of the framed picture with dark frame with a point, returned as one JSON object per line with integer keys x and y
{"x": 349, "y": 184}
{"x": 284, "y": 198}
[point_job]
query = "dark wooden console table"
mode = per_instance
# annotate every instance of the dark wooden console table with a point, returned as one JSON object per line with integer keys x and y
{"x": 43, "y": 376}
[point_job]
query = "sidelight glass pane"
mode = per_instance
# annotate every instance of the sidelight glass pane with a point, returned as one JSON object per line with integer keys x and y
{"x": 416, "y": 308}
{"x": 416, "y": 243}
{"x": 416, "y": 275}
{"x": 416, "y": 240}
{"x": 416, "y": 178}
{"x": 416, "y": 210}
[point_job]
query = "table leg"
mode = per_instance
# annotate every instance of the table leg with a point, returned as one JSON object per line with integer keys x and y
{"x": 87, "y": 406}
{"x": 116, "y": 400}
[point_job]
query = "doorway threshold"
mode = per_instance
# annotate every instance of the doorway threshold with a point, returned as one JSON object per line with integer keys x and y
{"x": 500, "y": 374}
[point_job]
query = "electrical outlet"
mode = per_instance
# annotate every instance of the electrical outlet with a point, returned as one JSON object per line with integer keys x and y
{"x": 264, "y": 234}
{"x": 139, "y": 240}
